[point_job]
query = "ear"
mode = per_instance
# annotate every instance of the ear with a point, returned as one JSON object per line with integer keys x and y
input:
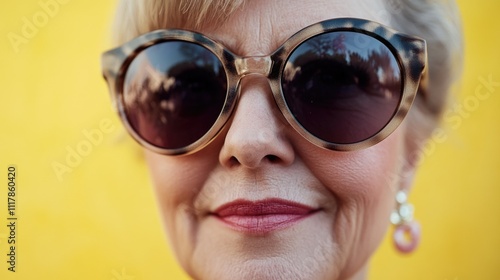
{"x": 411, "y": 158}
{"x": 407, "y": 176}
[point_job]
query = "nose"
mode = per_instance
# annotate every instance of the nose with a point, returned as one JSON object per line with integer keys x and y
{"x": 257, "y": 135}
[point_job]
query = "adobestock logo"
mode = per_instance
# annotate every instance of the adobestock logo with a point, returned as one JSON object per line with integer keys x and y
{"x": 76, "y": 154}
{"x": 459, "y": 112}
{"x": 453, "y": 118}
{"x": 32, "y": 25}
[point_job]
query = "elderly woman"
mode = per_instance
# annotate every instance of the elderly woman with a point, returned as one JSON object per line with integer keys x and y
{"x": 281, "y": 135}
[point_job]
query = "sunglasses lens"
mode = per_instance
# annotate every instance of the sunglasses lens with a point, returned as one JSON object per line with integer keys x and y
{"x": 173, "y": 93}
{"x": 343, "y": 87}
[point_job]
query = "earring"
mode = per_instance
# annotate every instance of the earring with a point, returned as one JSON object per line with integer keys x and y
{"x": 406, "y": 234}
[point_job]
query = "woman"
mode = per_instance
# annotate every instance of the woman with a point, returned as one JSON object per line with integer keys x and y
{"x": 282, "y": 156}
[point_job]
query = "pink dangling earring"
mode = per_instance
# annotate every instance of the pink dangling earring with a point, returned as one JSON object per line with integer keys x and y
{"x": 406, "y": 235}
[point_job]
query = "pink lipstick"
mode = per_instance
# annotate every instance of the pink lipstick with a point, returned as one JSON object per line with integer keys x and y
{"x": 263, "y": 216}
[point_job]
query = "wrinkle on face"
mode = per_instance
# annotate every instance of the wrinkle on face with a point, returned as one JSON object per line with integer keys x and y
{"x": 349, "y": 185}
{"x": 263, "y": 34}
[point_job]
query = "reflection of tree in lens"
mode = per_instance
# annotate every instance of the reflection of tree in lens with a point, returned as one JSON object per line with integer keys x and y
{"x": 173, "y": 101}
{"x": 339, "y": 92}
{"x": 323, "y": 46}
{"x": 203, "y": 58}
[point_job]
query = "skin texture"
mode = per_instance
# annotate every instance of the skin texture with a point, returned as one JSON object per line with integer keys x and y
{"x": 259, "y": 156}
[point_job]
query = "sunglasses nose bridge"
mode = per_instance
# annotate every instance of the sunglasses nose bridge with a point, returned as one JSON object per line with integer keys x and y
{"x": 254, "y": 65}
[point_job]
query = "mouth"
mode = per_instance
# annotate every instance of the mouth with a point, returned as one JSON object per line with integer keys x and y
{"x": 263, "y": 216}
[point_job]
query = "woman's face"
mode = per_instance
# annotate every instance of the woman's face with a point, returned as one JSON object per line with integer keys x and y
{"x": 326, "y": 211}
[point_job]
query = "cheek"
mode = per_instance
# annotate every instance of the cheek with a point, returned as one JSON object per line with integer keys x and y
{"x": 174, "y": 181}
{"x": 359, "y": 176}
{"x": 177, "y": 182}
{"x": 364, "y": 184}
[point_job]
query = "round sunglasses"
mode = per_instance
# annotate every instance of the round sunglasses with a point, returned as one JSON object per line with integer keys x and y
{"x": 343, "y": 84}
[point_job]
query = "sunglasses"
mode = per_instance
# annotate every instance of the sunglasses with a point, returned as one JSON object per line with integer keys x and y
{"x": 343, "y": 84}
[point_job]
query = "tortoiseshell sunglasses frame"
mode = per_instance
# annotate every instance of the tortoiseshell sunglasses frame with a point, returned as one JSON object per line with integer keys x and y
{"x": 410, "y": 52}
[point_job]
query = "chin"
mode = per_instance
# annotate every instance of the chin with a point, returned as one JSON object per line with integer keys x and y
{"x": 303, "y": 249}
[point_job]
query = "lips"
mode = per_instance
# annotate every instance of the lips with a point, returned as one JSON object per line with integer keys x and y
{"x": 263, "y": 216}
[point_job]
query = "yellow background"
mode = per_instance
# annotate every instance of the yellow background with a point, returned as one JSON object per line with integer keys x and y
{"x": 100, "y": 221}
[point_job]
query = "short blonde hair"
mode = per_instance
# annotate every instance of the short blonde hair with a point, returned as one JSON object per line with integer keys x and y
{"x": 134, "y": 18}
{"x": 436, "y": 21}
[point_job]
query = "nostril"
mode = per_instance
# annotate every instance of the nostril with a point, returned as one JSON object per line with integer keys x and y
{"x": 233, "y": 161}
{"x": 272, "y": 158}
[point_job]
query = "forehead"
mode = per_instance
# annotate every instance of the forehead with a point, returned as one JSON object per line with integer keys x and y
{"x": 260, "y": 26}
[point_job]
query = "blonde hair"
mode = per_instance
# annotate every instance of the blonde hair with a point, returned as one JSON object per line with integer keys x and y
{"x": 436, "y": 21}
{"x": 138, "y": 17}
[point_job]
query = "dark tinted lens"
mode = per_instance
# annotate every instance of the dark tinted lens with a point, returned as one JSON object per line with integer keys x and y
{"x": 343, "y": 87}
{"x": 173, "y": 93}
